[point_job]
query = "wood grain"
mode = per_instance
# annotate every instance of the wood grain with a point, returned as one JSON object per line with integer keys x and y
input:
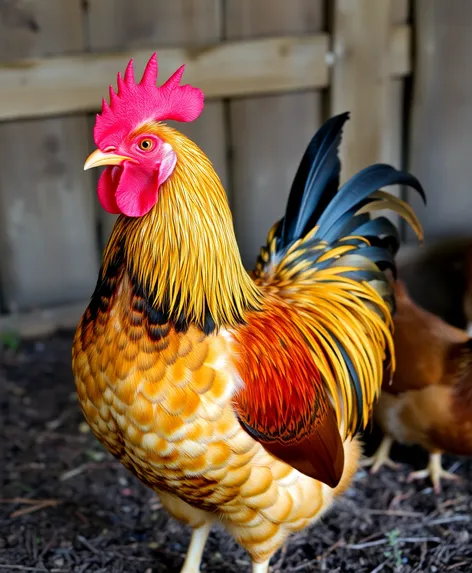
{"x": 360, "y": 82}
{"x": 47, "y": 231}
{"x": 440, "y": 151}
{"x": 189, "y": 24}
{"x": 55, "y": 59}
{"x": 268, "y": 134}
{"x": 363, "y": 82}
{"x": 46, "y": 86}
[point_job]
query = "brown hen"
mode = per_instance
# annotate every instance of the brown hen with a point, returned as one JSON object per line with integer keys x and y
{"x": 429, "y": 400}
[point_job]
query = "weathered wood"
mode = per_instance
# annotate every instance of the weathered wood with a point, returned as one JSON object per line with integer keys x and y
{"x": 48, "y": 212}
{"x": 400, "y": 48}
{"x": 189, "y": 24}
{"x": 363, "y": 85}
{"x": 47, "y": 232}
{"x": 144, "y": 23}
{"x": 39, "y": 28}
{"x": 441, "y": 140}
{"x": 269, "y": 134}
{"x": 65, "y": 84}
{"x": 392, "y": 135}
{"x": 360, "y": 80}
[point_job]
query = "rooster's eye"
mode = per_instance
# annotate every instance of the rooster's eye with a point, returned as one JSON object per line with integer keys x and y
{"x": 146, "y": 144}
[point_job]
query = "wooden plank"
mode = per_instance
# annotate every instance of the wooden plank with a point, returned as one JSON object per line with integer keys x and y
{"x": 400, "y": 49}
{"x": 441, "y": 131}
{"x": 362, "y": 84}
{"x": 144, "y": 23}
{"x": 360, "y": 81}
{"x": 392, "y": 136}
{"x": 269, "y": 134}
{"x": 400, "y": 11}
{"x": 47, "y": 231}
{"x": 65, "y": 84}
{"x": 392, "y": 139}
{"x": 191, "y": 24}
{"x": 39, "y": 28}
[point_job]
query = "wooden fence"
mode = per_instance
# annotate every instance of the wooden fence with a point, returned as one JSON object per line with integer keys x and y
{"x": 272, "y": 71}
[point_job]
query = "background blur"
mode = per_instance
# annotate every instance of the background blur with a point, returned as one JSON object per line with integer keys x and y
{"x": 272, "y": 71}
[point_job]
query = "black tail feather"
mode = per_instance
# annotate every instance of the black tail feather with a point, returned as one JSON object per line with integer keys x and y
{"x": 316, "y": 181}
{"x": 315, "y": 197}
{"x": 352, "y": 195}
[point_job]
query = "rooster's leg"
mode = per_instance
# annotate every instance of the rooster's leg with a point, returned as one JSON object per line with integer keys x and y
{"x": 435, "y": 471}
{"x": 381, "y": 457}
{"x": 260, "y": 567}
{"x": 195, "y": 549}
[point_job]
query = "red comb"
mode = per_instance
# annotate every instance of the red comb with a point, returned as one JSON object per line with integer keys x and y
{"x": 134, "y": 104}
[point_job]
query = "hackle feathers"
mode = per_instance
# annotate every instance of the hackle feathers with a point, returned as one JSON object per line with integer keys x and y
{"x": 184, "y": 251}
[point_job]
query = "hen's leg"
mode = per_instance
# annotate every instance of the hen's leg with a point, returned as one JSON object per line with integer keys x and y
{"x": 195, "y": 549}
{"x": 435, "y": 471}
{"x": 260, "y": 567}
{"x": 381, "y": 457}
{"x": 200, "y": 521}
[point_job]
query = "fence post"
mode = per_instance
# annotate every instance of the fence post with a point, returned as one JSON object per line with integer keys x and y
{"x": 361, "y": 78}
{"x": 441, "y": 117}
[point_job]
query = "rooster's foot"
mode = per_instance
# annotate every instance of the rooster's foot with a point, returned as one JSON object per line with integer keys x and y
{"x": 435, "y": 471}
{"x": 195, "y": 550}
{"x": 381, "y": 457}
{"x": 260, "y": 567}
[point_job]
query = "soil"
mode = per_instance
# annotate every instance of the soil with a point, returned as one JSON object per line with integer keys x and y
{"x": 68, "y": 507}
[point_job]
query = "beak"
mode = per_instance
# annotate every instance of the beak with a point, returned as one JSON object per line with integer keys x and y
{"x": 98, "y": 158}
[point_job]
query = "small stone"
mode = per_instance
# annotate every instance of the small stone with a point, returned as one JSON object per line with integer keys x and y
{"x": 464, "y": 537}
{"x": 84, "y": 428}
{"x": 95, "y": 456}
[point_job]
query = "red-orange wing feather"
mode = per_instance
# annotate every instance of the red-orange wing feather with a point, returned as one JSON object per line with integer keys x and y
{"x": 283, "y": 404}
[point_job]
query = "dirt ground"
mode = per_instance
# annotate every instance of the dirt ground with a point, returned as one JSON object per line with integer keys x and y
{"x": 68, "y": 507}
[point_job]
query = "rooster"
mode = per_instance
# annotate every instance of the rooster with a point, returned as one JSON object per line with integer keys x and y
{"x": 235, "y": 396}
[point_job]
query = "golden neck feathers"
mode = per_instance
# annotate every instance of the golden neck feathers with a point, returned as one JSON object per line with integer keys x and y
{"x": 184, "y": 253}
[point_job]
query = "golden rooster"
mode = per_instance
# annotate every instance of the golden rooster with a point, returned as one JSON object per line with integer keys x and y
{"x": 235, "y": 397}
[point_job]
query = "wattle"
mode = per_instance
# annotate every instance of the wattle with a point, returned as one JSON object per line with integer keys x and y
{"x": 107, "y": 184}
{"x": 130, "y": 190}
